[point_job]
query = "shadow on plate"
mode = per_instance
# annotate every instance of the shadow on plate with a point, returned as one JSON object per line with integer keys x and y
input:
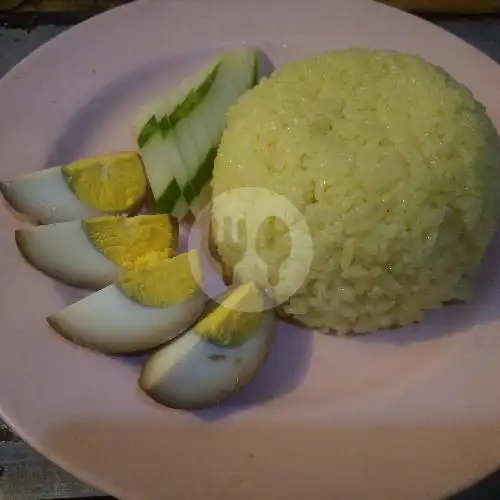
{"x": 286, "y": 367}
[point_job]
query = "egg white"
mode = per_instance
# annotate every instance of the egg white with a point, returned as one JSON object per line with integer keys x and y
{"x": 44, "y": 196}
{"x": 64, "y": 252}
{"x": 191, "y": 373}
{"x": 111, "y": 322}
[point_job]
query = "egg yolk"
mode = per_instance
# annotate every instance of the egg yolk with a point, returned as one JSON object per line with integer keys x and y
{"x": 169, "y": 282}
{"x": 236, "y": 319}
{"x": 139, "y": 241}
{"x": 113, "y": 182}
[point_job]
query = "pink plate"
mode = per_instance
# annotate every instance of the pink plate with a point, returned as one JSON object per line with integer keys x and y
{"x": 410, "y": 414}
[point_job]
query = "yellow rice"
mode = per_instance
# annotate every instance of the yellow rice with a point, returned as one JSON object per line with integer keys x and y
{"x": 395, "y": 167}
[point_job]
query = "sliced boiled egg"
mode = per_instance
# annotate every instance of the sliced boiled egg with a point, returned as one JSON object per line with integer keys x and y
{"x": 217, "y": 357}
{"x": 109, "y": 184}
{"x": 143, "y": 309}
{"x": 89, "y": 253}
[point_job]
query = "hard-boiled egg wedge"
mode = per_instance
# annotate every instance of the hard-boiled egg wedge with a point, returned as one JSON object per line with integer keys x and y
{"x": 217, "y": 357}
{"x": 109, "y": 184}
{"x": 89, "y": 253}
{"x": 143, "y": 309}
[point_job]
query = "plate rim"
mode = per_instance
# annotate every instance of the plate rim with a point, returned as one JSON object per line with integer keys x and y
{"x": 25, "y": 65}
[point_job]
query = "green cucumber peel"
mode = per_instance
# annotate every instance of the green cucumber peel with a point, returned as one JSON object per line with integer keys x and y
{"x": 147, "y": 131}
{"x": 205, "y": 171}
{"x": 168, "y": 122}
{"x": 167, "y": 201}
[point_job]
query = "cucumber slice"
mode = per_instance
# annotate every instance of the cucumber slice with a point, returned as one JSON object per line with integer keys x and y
{"x": 165, "y": 169}
{"x": 163, "y": 160}
{"x": 239, "y": 71}
{"x": 201, "y": 201}
{"x": 178, "y": 136}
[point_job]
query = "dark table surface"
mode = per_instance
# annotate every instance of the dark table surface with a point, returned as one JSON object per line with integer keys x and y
{"x": 24, "y": 474}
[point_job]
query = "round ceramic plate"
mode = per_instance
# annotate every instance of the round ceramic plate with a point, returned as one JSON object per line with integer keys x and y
{"x": 410, "y": 414}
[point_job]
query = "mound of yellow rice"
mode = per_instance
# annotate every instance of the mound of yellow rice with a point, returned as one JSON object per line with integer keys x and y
{"x": 395, "y": 168}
